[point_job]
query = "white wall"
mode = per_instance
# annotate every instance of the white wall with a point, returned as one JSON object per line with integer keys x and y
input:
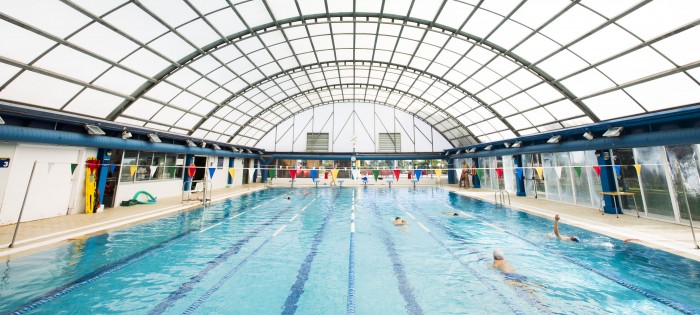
{"x": 54, "y": 191}
{"x": 159, "y": 189}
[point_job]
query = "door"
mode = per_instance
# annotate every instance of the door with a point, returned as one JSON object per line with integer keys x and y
{"x": 683, "y": 160}
{"x": 246, "y": 169}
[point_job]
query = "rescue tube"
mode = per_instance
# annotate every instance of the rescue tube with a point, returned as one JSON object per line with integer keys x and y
{"x": 150, "y": 201}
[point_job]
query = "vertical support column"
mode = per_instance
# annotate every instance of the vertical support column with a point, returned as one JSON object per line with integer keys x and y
{"x": 476, "y": 183}
{"x": 104, "y": 156}
{"x": 607, "y": 182}
{"x": 255, "y": 170}
{"x": 189, "y": 158}
{"x": 451, "y": 178}
{"x": 263, "y": 169}
{"x": 519, "y": 181}
{"x": 231, "y": 161}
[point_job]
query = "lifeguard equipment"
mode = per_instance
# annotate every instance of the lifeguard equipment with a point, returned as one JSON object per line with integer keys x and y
{"x": 91, "y": 166}
{"x": 151, "y": 199}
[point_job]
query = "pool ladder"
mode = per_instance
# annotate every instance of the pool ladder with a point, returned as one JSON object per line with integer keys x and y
{"x": 502, "y": 194}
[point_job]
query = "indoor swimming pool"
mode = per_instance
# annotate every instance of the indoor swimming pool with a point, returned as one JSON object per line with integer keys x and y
{"x": 337, "y": 250}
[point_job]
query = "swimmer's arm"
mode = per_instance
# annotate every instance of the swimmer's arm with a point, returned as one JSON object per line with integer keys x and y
{"x": 556, "y": 229}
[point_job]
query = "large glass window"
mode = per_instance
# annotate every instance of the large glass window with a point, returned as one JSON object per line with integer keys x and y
{"x": 563, "y": 172}
{"x": 144, "y": 166}
{"x": 129, "y": 163}
{"x": 654, "y": 181}
{"x": 683, "y": 160}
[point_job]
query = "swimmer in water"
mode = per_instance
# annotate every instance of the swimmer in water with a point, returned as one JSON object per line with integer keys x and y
{"x": 452, "y": 214}
{"x": 399, "y": 221}
{"x": 513, "y": 278}
{"x": 572, "y": 238}
{"x": 289, "y": 197}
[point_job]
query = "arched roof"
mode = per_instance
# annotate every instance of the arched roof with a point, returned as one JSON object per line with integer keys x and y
{"x": 232, "y": 70}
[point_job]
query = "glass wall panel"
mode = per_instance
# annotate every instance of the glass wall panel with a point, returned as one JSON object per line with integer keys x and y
{"x": 551, "y": 179}
{"x": 594, "y": 181}
{"x": 628, "y": 180}
{"x": 509, "y": 174}
{"x": 654, "y": 181}
{"x": 129, "y": 160}
{"x": 563, "y": 171}
{"x": 580, "y": 174}
{"x": 683, "y": 160}
{"x": 533, "y": 185}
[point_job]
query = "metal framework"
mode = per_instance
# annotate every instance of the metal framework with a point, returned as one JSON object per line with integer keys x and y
{"x": 231, "y": 71}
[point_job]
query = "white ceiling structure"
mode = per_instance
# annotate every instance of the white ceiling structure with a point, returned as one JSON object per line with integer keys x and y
{"x": 229, "y": 71}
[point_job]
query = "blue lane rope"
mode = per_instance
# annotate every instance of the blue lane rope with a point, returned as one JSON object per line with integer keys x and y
{"x": 351, "y": 276}
{"x": 99, "y": 273}
{"x": 186, "y": 287}
{"x": 668, "y": 302}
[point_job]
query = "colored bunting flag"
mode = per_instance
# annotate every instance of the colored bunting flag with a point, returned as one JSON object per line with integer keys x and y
{"x": 539, "y": 171}
{"x": 153, "y": 170}
{"x": 211, "y": 172}
{"x": 355, "y": 174}
{"x": 618, "y": 170}
{"x": 172, "y": 170}
{"x": 499, "y": 172}
{"x": 112, "y": 168}
{"x": 376, "y": 174}
{"x": 409, "y": 174}
{"x": 578, "y": 170}
{"x": 519, "y": 173}
{"x": 72, "y": 167}
{"x": 293, "y": 173}
{"x": 397, "y": 173}
{"x": 271, "y": 172}
{"x": 558, "y": 169}
{"x": 638, "y": 167}
{"x": 132, "y": 170}
{"x": 314, "y": 174}
{"x": 334, "y": 173}
{"x": 438, "y": 173}
{"x": 480, "y": 172}
{"x": 232, "y": 172}
{"x": 191, "y": 169}
{"x": 597, "y": 169}
{"x": 418, "y": 173}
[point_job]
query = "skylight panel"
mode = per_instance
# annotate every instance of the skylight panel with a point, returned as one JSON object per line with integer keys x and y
{"x": 99, "y": 7}
{"x": 301, "y": 46}
{"x": 504, "y": 109}
{"x": 612, "y": 105}
{"x": 486, "y": 76}
{"x": 250, "y": 45}
{"x": 488, "y": 96}
{"x": 563, "y": 109}
{"x": 536, "y": 48}
{"x": 188, "y": 121}
{"x": 482, "y": 23}
{"x": 207, "y": 6}
{"x": 219, "y": 95}
{"x": 199, "y": 33}
{"x": 574, "y": 23}
{"x": 534, "y": 13}
{"x": 261, "y": 57}
{"x": 282, "y": 52}
{"x": 255, "y": 13}
{"x": 40, "y": 90}
{"x": 576, "y": 122}
{"x": 397, "y": 7}
{"x": 635, "y": 65}
{"x": 7, "y": 72}
{"x": 311, "y": 7}
{"x": 562, "y": 63}
{"x": 26, "y": 46}
{"x": 454, "y": 14}
{"x": 72, "y": 63}
{"x": 241, "y": 65}
{"x": 522, "y": 102}
{"x": 365, "y": 41}
{"x": 94, "y": 103}
{"x": 669, "y": 91}
{"x": 368, "y": 6}
{"x": 343, "y": 41}
{"x": 340, "y": 6}
{"x": 203, "y": 108}
{"x": 163, "y": 91}
{"x": 519, "y": 122}
{"x": 438, "y": 69}
{"x": 587, "y": 82}
{"x": 682, "y": 48}
{"x": 120, "y": 80}
{"x": 167, "y": 116}
{"x": 227, "y": 22}
{"x": 523, "y": 78}
{"x": 425, "y": 9}
{"x": 293, "y": 33}
{"x": 467, "y": 67}
{"x": 172, "y": 47}
{"x": 142, "y": 108}
{"x": 666, "y": 15}
{"x": 135, "y": 22}
{"x": 203, "y": 87}
{"x": 51, "y": 16}
{"x": 509, "y": 34}
{"x": 184, "y": 77}
{"x": 205, "y": 64}
{"x": 175, "y": 13}
{"x": 472, "y": 86}
{"x": 129, "y": 121}
{"x": 504, "y": 88}
{"x": 610, "y": 8}
{"x": 146, "y": 62}
{"x": 544, "y": 93}
{"x": 604, "y": 43}
{"x": 481, "y": 54}
{"x": 282, "y": 9}
{"x": 253, "y": 76}
{"x": 104, "y": 42}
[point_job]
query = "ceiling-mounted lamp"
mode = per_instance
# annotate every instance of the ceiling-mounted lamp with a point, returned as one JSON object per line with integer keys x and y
{"x": 153, "y": 137}
{"x": 126, "y": 134}
{"x": 506, "y": 144}
{"x": 94, "y": 130}
{"x": 488, "y": 147}
{"x": 190, "y": 143}
{"x": 248, "y": 150}
{"x": 554, "y": 139}
{"x": 234, "y": 149}
{"x": 613, "y": 132}
{"x": 203, "y": 144}
{"x": 2, "y": 122}
{"x": 517, "y": 144}
{"x": 472, "y": 150}
{"x": 588, "y": 135}
{"x": 216, "y": 146}
{"x": 261, "y": 152}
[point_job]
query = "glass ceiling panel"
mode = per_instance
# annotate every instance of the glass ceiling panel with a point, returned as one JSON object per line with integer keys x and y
{"x": 496, "y": 68}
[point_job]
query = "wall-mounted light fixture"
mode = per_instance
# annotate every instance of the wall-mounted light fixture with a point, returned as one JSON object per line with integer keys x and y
{"x": 190, "y": 143}
{"x": 153, "y": 137}
{"x": 506, "y": 144}
{"x": 472, "y": 150}
{"x": 94, "y": 130}
{"x": 613, "y": 132}
{"x": 2, "y": 122}
{"x": 517, "y": 144}
{"x": 216, "y": 146}
{"x": 554, "y": 139}
{"x": 588, "y": 135}
{"x": 203, "y": 144}
{"x": 126, "y": 134}
{"x": 488, "y": 147}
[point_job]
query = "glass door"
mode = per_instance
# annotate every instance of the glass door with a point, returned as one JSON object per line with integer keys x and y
{"x": 683, "y": 160}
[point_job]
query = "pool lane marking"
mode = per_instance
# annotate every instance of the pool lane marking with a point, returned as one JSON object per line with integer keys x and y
{"x": 99, "y": 273}
{"x": 222, "y": 222}
{"x": 235, "y": 269}
{"x": 668, "y": 302}
{"x": 187, "y": 286}
{"x": 351, "y": 261}
{"x": 423, "y": 226}
{"x": 414, "y": 218}
{"x": 302, "y": 210}
{"x": 404, "y": 286}
{"x": 226, "y": 218}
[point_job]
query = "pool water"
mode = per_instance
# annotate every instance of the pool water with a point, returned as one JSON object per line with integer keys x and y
{"x": 336, "y": 250}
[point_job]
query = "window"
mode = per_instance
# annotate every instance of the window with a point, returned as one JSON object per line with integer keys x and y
{"x": 317, "y": 142}
{"x": 144, "y": 166}
{"x": 389, "y": 142}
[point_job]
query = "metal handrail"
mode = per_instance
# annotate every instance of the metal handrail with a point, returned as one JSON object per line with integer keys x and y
{"x": 503, "y": 193}
{"x": 21, "y": 211}
{"x": 206, "y": 191}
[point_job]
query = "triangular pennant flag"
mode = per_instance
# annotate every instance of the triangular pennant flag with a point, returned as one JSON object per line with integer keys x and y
{"x": 578, "y": 170}
{"x": 418, "y": 173}
{"x": 558, "y": 170}
{"x": 438, "y": 173}
{"x": 211, "y": 172}
{"x": 72, "y": 167}
{"x": 293, "y": 173}
{"x": 376, "y": 174}
{"x": 409, "y": 175}
{"x": 597, "y": 169}
{"x": 618, "y": 170}
{"x": 132, "y": 170}
{"x": 480, "y": 173}
{"x": 172, "y": 171}
{"x": 272, "y": 172}
{"x": 232, "y": 172}
{"x": 638, "y": 167}
{"x": 519, "y": 172}
{"x": 314, "y": 174}
{"x": 91, "y": 164}
{"x": 153, "y": 170}
{"x": 334, "y": 173}
{"x": 539, "y": 171}
{"x": 499, "y": 172}
{"x": 112, "y": 167}
{"x": 191, "y": 169}
{"x": 397, "y": 173}
{"x": 355, "y": 174}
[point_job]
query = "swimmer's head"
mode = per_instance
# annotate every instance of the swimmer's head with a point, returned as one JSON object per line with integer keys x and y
{"x": 289, "y": 197}
{"x": 455, "y": 214}
{"x": 575, "y": 239}
{"x": 397, "y": 218}
{"x": 498, "y": 254}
